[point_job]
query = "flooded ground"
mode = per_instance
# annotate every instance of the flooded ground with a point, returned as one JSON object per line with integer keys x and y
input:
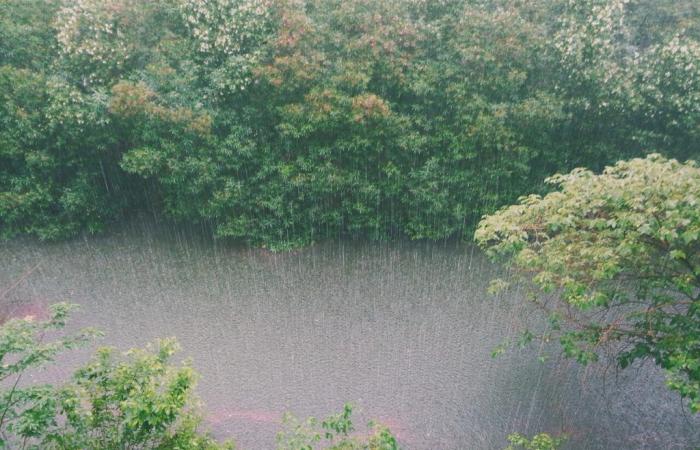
{"x": 402, "y": 330}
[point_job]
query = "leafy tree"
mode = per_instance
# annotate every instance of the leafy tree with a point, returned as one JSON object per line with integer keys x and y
{"x": 27, "y": 38}
{"x": 27, "y": 412}
{"x": 138, "y": 401}
{"x": 135, "y": 400}
{"x": 615, "y": 261}
{"x": 102, "y": 41}
{"x": 281, "y": 122}
{"x": 54, "y": 158}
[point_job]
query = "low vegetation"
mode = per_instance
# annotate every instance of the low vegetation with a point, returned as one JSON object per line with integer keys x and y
{"x": 136, "y": 400}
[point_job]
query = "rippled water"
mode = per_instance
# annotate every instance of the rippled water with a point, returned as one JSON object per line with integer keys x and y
{"x": 402, "y": 330}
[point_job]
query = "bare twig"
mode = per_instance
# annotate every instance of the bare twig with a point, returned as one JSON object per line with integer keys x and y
{"x": 24, "y": 276}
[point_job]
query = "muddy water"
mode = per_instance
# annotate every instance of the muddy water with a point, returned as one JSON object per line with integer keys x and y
{"x": 402, "y": 330}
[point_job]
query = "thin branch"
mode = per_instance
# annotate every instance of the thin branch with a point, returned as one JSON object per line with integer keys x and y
{"x": 24, "y": 276}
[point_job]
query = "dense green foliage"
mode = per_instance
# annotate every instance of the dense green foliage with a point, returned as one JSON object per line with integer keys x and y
{"x": 26, "y": 412}
{"x": 280, "y": 122}
{"x": 136, "y": 400}
{"x": 139, "y": 400}
{"x": 615, "y": 260}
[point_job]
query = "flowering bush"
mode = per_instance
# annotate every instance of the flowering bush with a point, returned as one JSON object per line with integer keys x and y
{"x": 100, "y": 41}
{"x": 229, "y": 35}
{"x": 92, "y": 36}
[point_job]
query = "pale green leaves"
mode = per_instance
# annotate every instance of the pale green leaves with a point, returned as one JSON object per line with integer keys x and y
{"x": 334, "y": 433}
{"x": 627, "y": 238}
{"x": 541, "y": 441}
{"x": 135, "y": 400}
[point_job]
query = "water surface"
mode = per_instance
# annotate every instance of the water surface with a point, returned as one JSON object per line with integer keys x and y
{"x": 402, "y": 330}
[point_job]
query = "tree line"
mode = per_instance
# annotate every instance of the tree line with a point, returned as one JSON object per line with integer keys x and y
{"x": 281, "y": 122}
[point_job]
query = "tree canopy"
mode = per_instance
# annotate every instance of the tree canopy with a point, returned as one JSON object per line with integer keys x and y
{"x": 281, "y": 122}
{"x": 615, "y": 261}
